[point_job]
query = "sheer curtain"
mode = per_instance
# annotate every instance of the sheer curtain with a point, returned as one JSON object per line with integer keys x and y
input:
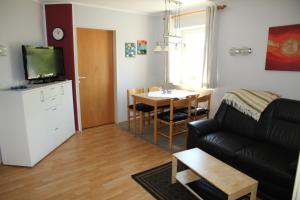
{"x": 209, "y": 79}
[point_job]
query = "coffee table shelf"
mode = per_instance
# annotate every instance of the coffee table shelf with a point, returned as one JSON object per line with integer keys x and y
{"x": 223, "y": 177}
{"x": 188, "y": 176}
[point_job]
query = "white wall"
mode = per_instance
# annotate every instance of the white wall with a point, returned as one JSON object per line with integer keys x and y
{"x": 21, "y": 23}
{"x": 141, "y": 71}
{"x": 192, "y": 20}
{"x": 296, "y": 193}
{"x": 246, "y": 23}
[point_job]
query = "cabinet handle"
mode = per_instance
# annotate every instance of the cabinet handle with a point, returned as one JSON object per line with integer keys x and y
{"x": 42, "y": 97}
{"x": 62, "y": 90}
{"x": 56, "y": 129}
{"x": 53, "y": 99}
{"x": 53, "y": 109}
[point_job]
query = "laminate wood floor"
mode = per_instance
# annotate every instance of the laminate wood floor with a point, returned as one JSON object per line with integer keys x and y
{"x": 95, "y": 165}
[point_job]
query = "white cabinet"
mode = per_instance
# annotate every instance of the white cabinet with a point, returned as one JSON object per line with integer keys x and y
{"x": 34, "y": 121}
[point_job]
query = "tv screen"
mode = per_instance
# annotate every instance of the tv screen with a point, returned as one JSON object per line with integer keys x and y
{"x": 42, "y": 62}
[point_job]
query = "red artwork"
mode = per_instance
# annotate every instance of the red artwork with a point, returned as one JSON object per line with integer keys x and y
{"x": 283, "y": 51}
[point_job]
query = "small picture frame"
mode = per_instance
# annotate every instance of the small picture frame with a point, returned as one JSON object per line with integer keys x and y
{"x": 130, "y": 49}
{"x": 142, "y": 47}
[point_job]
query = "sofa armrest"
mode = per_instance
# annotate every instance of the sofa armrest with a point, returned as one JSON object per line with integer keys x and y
{"x": 293, "y": 167}
{"x": 200, "y": 128}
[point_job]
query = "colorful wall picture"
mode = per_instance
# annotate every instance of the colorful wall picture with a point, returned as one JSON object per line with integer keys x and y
{"x": 283, "y": 52}
{"x": 142, "y": 47}
{"x": 130, "y": 49}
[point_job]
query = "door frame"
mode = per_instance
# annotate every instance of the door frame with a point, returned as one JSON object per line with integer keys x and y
{"x": 77, "y": 73}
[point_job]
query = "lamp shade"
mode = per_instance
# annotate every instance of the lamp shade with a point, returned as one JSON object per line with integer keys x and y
{"x": 166, "y": 48}
{"x": 157, "y": 48}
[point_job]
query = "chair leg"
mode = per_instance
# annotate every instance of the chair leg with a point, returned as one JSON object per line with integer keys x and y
{"x": 128, "y": 118}
{"x": 171, "y": 137}
{"x": 149, "y": 117}
{"x": 141, "y": 121}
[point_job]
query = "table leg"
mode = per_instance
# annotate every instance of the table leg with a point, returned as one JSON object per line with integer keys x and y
{"x": 253, "y": 193}
{"x": 174, "y": 169}
{"x": 134, "y": 114}
{"x": 141, "y": 121}
{"x": 155, "y": 125}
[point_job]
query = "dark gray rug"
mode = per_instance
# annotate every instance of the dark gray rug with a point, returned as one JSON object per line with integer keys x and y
{"x": 157, "y": 182}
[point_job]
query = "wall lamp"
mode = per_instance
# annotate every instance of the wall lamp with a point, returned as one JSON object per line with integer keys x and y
{"x": 3, "y": 50}
{"x": 243, "y": 51}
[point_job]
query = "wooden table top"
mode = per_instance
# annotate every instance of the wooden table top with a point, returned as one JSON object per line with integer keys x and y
{"x": 218, "y": 173}
{"x": 155, "y": 96}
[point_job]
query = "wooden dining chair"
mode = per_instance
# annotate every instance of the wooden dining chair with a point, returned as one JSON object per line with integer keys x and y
{"x": 199, "y": 111}
{"x": 155, "y": 88}
{"x": 175, "y": 117}
{"x": 140, "y": 107}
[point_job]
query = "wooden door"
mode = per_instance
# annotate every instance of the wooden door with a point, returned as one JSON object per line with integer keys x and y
{"x": 96, "y": 75}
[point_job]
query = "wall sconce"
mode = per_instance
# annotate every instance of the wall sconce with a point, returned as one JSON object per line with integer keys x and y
{"x": 244, "y": 51}
{"x": 3, "y": 50}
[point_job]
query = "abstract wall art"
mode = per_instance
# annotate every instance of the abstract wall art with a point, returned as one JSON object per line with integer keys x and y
{"x": 283, "y": 51}
{"x": 142, "y": 47}
{"x": 130, "y": 49}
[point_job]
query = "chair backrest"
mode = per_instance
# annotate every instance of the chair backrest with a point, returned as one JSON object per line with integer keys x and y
{"x": 180, "y": 103}
{"x": 154, "y": 88}
{"x": 130, "y": 92}
{"x": 202, "y": 99}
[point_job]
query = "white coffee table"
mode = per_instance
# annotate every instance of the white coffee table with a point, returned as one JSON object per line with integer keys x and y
{"x": 232, "y": 182}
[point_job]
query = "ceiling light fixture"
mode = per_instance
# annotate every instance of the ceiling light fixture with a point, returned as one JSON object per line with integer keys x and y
{"x": 171, "y": 22}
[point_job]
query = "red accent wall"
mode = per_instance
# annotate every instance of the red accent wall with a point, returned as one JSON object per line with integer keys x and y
{"x": 60, "y": 15}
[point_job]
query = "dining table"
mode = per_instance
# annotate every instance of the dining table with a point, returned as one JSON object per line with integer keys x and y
{"x": 157, "y": 99}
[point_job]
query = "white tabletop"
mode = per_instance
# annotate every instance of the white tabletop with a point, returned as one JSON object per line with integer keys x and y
{"x": 180, "y": 94}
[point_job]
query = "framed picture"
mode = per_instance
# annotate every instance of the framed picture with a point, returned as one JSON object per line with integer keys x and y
{"x": 142, "y": 47}
{"x": 283, "y": 52}
{"x": 130, "y": 49}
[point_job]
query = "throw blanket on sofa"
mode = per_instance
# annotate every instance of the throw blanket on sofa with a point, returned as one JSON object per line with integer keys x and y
{"x": 249, "y": 102}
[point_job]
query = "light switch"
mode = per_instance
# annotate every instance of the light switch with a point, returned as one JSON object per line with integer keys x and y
{"x": 3, "y": 50}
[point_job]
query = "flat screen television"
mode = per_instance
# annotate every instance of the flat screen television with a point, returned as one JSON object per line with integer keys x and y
{"x": 43, "y": 63}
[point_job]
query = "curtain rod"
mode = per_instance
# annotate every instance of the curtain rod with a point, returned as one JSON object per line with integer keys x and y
{"x": 220, "y": 7}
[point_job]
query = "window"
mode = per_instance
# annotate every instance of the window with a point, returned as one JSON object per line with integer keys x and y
{"x": 186, "y": 60}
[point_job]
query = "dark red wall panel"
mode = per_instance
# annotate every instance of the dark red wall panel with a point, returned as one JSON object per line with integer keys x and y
{"x": 60, "y": 15}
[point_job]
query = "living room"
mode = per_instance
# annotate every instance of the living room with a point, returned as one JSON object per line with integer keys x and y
{"x": 97, "y": 163}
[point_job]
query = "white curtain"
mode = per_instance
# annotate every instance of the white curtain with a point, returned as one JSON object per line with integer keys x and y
{"x": 209, "y": 79}
{"x": 174, "y": 55}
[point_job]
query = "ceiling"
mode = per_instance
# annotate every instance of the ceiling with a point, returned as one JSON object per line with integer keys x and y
{"x": 138, "y": 6}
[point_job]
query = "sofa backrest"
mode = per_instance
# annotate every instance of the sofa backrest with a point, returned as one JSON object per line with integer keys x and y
{"x": 234, "y": 121}
{"x": 280, "y": 125}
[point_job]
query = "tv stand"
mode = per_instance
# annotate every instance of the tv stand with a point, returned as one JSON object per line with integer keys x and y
{"x": 34, "y": 121}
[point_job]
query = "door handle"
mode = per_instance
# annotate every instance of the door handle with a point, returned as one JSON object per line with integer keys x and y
{"x": 82, "y": 77}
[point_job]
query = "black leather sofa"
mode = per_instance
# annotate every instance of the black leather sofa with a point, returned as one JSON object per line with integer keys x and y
{"x": 266, "y": 150}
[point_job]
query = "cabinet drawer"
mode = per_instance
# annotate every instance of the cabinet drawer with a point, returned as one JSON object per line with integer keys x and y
{"x": 53, "y": 91}
{"x": 54, "y": 101}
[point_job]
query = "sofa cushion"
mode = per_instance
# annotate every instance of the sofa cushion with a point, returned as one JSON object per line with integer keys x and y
{"x": 239, "y": 123}
{"x": 284, "y": 133}
{"x": 223, "y": 145}
{"x": 267, "y": 162}
{"x": 283, "y": 128}
{"x": 287, "y": 109}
